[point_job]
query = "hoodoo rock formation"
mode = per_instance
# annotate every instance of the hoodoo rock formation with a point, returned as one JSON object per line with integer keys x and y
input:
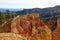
{"x": 29, "y": 26}
{"x": 56, "y": 33}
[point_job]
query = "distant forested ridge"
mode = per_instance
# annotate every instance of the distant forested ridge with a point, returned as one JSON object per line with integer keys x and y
{"x": 44, "y": 13}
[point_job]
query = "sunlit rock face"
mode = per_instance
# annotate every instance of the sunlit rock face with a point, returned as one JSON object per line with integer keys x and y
{"x": 9, "y": 36}
{"x": 40, "y": 33}
{"x": 58, "y": 26}
{"x": 58, "y": 22}
{"x": 56, "y": 33}
{"x": 30, "y": 27}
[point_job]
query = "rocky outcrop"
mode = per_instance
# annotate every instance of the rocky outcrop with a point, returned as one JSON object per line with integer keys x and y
{"x": 30, "y": 27}
{"x": 9, "y": 36}
{"x": 52, "y": 24}
{"x": 58, "y": 22}
{"x": 6, "y": 28}
{"x": 56, "y": 33}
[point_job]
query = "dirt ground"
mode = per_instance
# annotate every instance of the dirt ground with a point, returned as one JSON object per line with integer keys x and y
{"x": 9, "y": 36}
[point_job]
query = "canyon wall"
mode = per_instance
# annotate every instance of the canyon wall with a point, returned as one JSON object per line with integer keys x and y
{"x": 30, "y": 27}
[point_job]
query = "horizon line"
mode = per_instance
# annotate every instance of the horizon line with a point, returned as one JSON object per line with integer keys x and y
{"x": 31, "y": 8}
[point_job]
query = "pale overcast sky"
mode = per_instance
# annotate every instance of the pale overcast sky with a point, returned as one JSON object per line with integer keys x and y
{"x": 28, "y": 3}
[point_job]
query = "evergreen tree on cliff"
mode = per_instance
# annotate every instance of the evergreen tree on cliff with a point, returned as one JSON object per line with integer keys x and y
{"x": 8, "y": 14}
{"x": 1, "y": 18}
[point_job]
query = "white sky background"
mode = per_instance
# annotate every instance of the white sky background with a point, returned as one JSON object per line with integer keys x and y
{"x": 28, "y": 3}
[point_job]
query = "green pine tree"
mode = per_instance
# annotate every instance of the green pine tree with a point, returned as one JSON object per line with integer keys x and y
{"x": 8, "y": 14}
{"x": 1, "y": 18}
